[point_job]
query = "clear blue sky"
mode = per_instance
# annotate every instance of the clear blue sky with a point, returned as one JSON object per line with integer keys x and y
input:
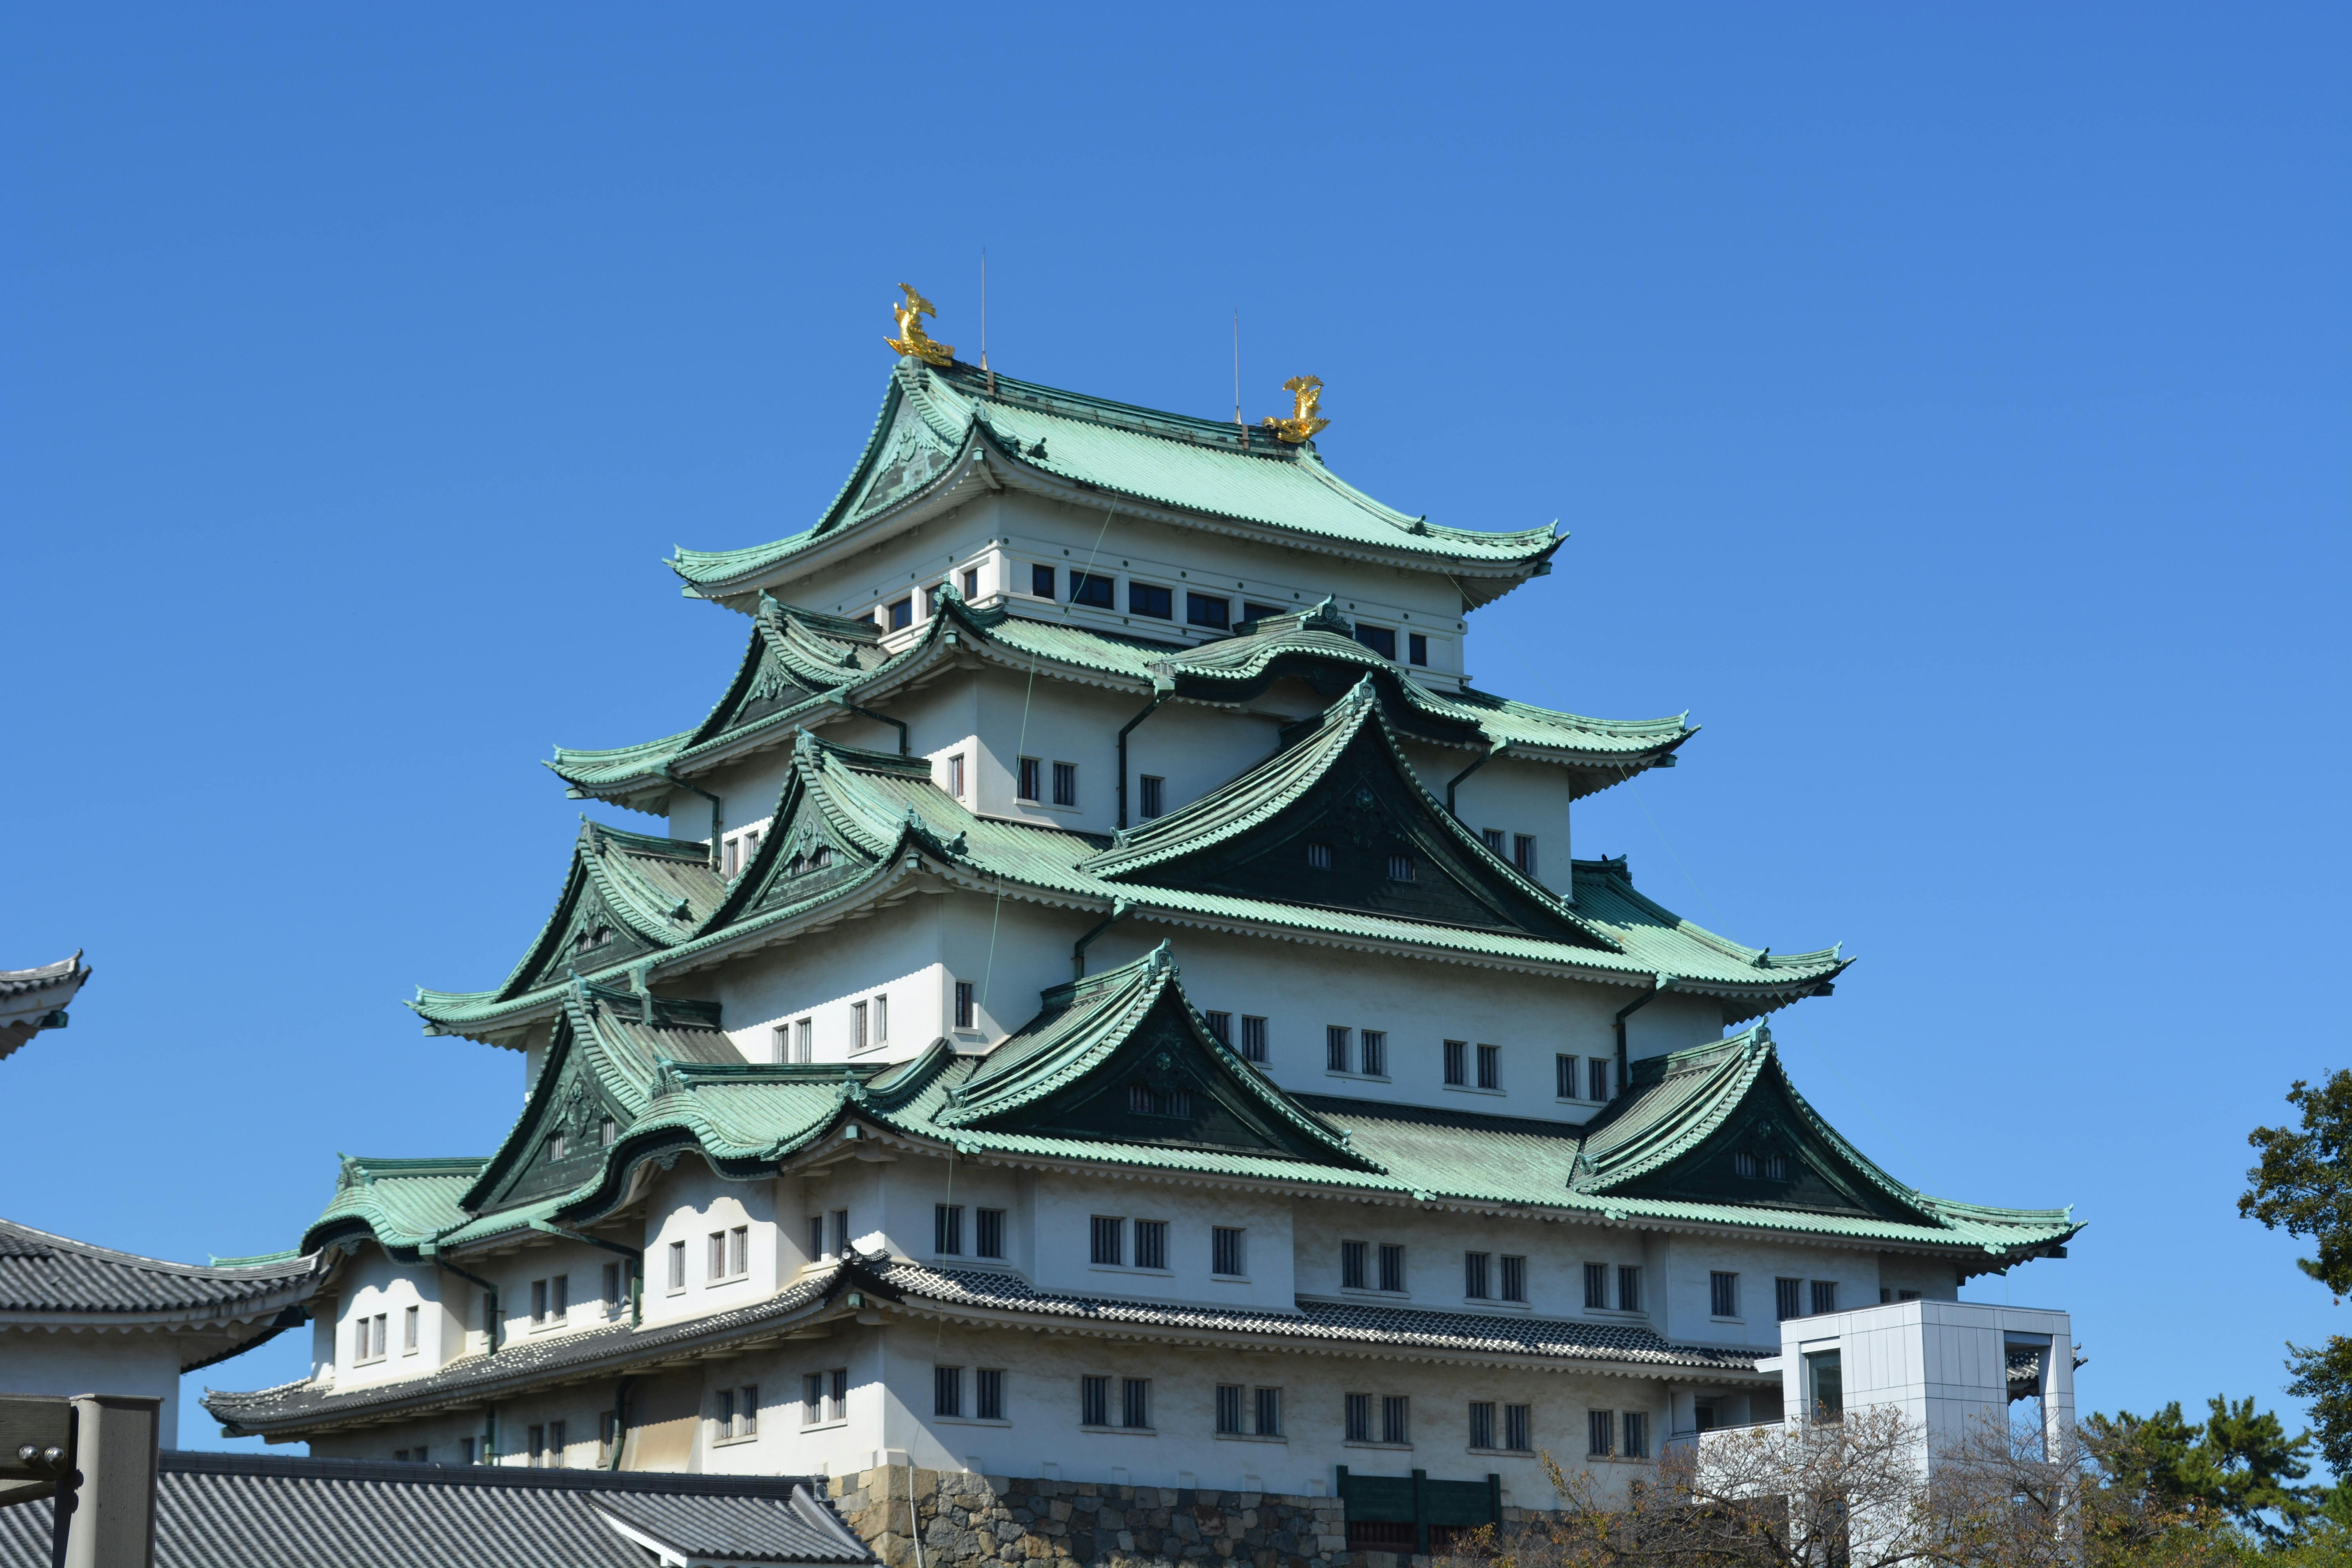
{"x": 1949, "y": 407}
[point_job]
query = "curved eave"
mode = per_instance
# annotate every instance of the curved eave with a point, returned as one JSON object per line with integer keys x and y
{"x": 982, "y": 463}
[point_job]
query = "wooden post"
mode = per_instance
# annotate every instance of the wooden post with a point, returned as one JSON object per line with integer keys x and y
{"x": 107, "y": 1518}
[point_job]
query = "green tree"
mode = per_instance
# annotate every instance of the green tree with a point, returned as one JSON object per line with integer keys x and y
{"x": 2302, "y": 1186}
{"x": 2239, "y": 1467}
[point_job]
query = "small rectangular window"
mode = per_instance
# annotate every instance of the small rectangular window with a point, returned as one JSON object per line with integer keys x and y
{"x": 1564, "y": 1077}
{"x": 947, "y": 1391}
{"x": 1319, "y": 857}
{"x": 1335, "y": 1047}
{"x": 1635, "y": 1424}
{"x": 714, "y": 1263}
{"x": 955, "y": 776}
{"x": 1457, "y": 1062}
{"x": 1396, "y": 1426}
{"x": 1135, "y": 1402}
{"x": 988, "y": 1232}
{"x": 1400, "y": 868}
{"x": 902, "y": 613}
{"x": 1351, "y": 1265}
{"x": 965, "y": 1011}
{"x": 1154, "y": 794}
{"x": 1596, "y": 1286}
{"x": 409, "y": 1329}
{"x": 1225, "y": 1250}
{"x": 1515, "y": 1278}
{"x": 1028, "y": 779}
{"x": 608, "y": 1132}
{"x": 1523, "y": 853}
{"x": 1376, "y": 1053}
{"x": 381, "y": 1320}
{"x": 559, "y": 1306}
{"x": 947, "y": 1229}
{"x": 1253, "y": 1038}
{"x": 1416, "y": 647}
{"x": 858, "y": 1025}
{"x": 1268, "y": 1402}
{"x": 1208, "y": 610}
{"x": 1493, "y": 837}
{"x": 970, "y": 583}
{"x": 1490, "y": 1066}
{"x": 804, "y": 1040}
{"x": 881, "y": 1020}
{"x": 1723, "y": 1294}
{"x": 1597, "y": 1078}
{"x": 1629, "y": 1287}
{"x": 1065, "y": 783}
{"x": 1382, "y": 640}
{"x": 988, "y": 1393}
{"x": 780, "y": 1043}
{"x": 1482, "y": 1423}
{"x": 841, "y": 1232}
{"x": 1221, "y": 1026}
{"x": 1229, "y": 1409}
{"x": 678, "y": 1266}
{"x": 1824, "y": 1296}
{"x": 748, "y": 1413}
{"x": 930, "y": 601}
{"x": 538, "y": 1448}
{"x": 837, "y": 1402}
{"x": 1151, "y": 1244}
{"x": 539, "y": 1300}
{"x": 1251, "y": 611}
{"x": 611, "y": 1294}
{"x": 1518, "y": 1428}
{"x": 738, "y": 1258}
{"x": 1599, "y": 1433}
{"x": 1090, "y": 588}
{"x": 1359, "y": 1418}
{"x": 1107, "y": 1236}
{"x": 733, "y": 857}
{"x": 1476, "y": 1267}
{"x": 812, "y": 1399}
{"x": 1094, "y": 1401}
{"x": 1788, "y": 1298}
{"x": 1041, "y": 582}
{"x": 465, "y": 1450}
{"x": 1391, "y": 1266}
{"x": 815, "y": 1237}
{"x": 1150, "y": 599}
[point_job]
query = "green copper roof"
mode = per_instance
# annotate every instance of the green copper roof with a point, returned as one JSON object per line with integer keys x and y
{"x": 861, "y": 809}
{"x": 402, "y": 1203}
{"x": 934, "y": 419}
{"x": 779, "y": 687}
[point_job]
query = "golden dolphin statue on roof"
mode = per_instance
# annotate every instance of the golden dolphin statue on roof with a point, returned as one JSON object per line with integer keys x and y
{"x": 911, "y": 338}
{"x": 1307, "y": 392}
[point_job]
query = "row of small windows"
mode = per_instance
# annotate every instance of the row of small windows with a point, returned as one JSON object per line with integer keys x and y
{"x": 900, "y": 612}
{"x": 1404, "y": 868}
{"x": 1253, "y": 1040}
{"x": 559, "y": 1142}
{"x": 738, "y": 850}
{"x": 1211, "y": 612}
{"x": 870, "y": 1027}
{"x": 1364, "y": 1053}
{"x": 948, "y": 1231}
{"x": 1114, "y": 1241}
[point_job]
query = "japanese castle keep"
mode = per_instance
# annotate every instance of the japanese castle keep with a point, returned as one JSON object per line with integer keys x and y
{"x": 1100, "y": 998}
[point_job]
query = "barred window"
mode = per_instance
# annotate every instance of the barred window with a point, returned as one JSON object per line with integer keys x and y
{"x": 836, "y": 1403}
{"x": 1269, "y": 1412}
{"x": 1482, "y": 1423}
{"x": 947, "y": 1391}
{"x": 1400, "y": 868}
{"x": 1824, "y": 1296}
{"x": 1151, "y": 1244}
{"x": 1564, "y": 1075}
{"x": 1352, "y": 1266}
{"x": 1319, "y": 857}
{"x": 1027, "y": 778}
{"x": 1376, "y": 1053}
{"x": 1225, "y": 1250}
{"x": 1229, "y": 1409}
{"x": 1490, "y": 1066}
{"x": 1723, "y": 1294}
{"x": 1457, "y": 1062}
{"x": 947, "y": 1229}
{"x": 1523, "y": 853}
{"x": 1596, "y": 1070}
{"x": 1135, "y": 1402}
{"x": 1094, "y": 1401}
{"x": 1065, "y": 783}
{"x": 965, "y": 1011}
{"x": 1391, "y": 1266}
{"x": 1629, "y": 1287}
{"x": 1154, "y": 794}
{"x": 1596, "y": 1286}
{"x": 1473, "y": 1275}
{"x": 988, "y": 1393}
{"x": 988, "y": 1232}
{"x": 1220, "y": 1028}
{"x": 1599, "y": 1433}
{"x": 1788, "y": 1298}
{"x": 1636, "y": 1427}
{"x": 1106, "y": 1238}
{"x": 1518, "y": 1428}
{"x": 1395, "y": 1424}
{"x": 1336, "y": 1052}
{"x": 1253, "y": 1038}
{"x": 1359, "y": 1418}
{"x": 1515, "y": 1278}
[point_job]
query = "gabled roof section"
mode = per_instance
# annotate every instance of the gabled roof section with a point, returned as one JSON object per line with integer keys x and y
{"x": 34, "y": 999}
{"x": 938, "y": 424}
{"x": 766, "y": 702}
{"x": 626, "y": 897}
{"x": 55, "y": 1277}
{"x": 402, "y": 1203}
{"x": 1340, "y": 818}
{"x": 1123, "y": 1057}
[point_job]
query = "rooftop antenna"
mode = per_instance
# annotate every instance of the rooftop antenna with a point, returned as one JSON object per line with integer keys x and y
{"x": 1237, "y": 375}
{"x": 984, "y": 322}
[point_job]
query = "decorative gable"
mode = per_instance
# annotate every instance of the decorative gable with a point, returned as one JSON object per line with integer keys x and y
{"x": 585, "y": 936}
{"x": 561, "y": 1140}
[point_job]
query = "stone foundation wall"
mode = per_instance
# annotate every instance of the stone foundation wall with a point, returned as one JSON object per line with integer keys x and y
{"x": 967, "y": 1520}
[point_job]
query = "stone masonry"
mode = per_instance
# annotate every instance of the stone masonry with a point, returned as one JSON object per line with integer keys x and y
{"x": 969, "y": 1520}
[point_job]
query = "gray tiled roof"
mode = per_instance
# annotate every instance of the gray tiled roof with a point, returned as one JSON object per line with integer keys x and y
{"x": 45, "y": 1274}
{"x": 261, "y": 1511}
{"x": 1342, "y": 1322}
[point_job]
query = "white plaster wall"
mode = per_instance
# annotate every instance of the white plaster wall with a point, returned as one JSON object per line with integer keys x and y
{"x": 67, "y": 1362}
{"x": 1685, "y": 1264}
{"x": 1514, "y": 797}
{"x": 686, "y": 1206}
{"x": 372, "y": 1283}
{"x": 1066, "y": 1206}
{"x": 895, "y": 952}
